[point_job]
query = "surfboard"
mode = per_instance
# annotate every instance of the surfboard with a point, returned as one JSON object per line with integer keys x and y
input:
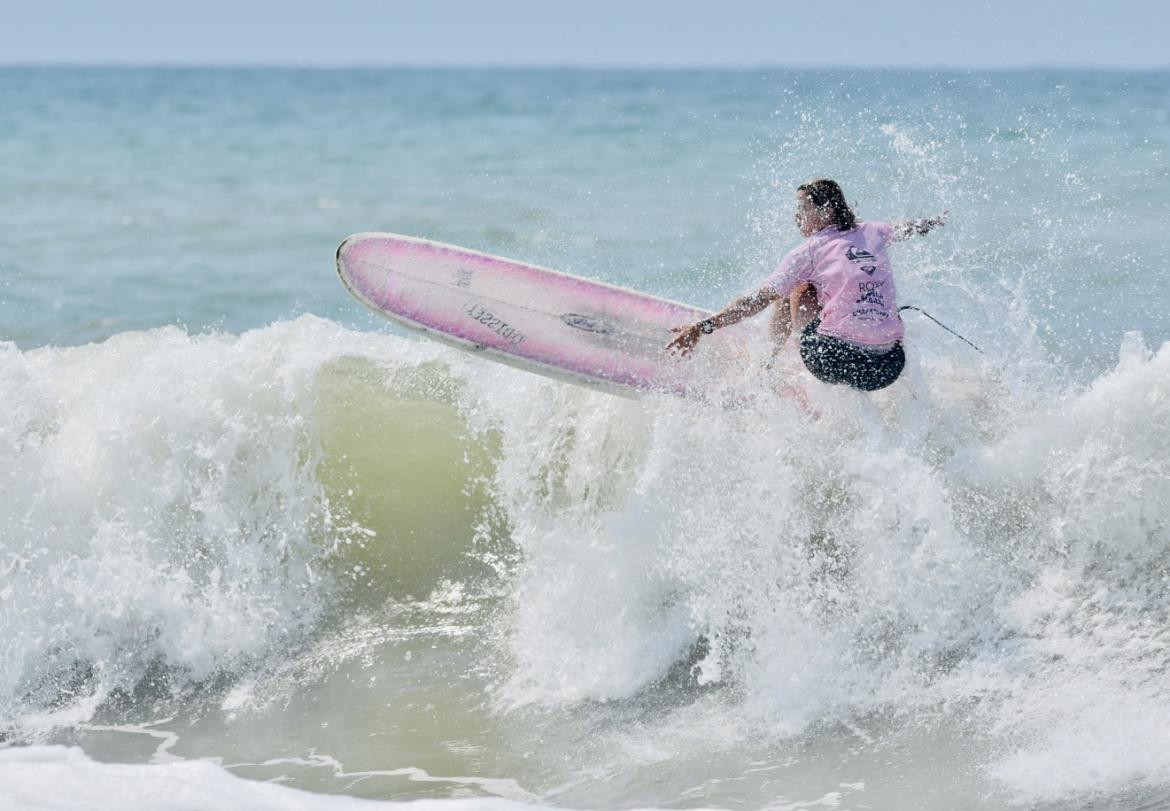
{"x": 563, "y": 326}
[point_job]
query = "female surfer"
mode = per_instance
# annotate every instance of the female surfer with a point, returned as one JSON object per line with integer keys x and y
{"x": 836, "y": 288}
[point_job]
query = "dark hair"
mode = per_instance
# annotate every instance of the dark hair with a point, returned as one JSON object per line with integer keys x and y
{"x": 825, "y": 193}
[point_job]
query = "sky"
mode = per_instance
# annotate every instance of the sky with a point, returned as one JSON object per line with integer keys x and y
{"x": 598, "y": 33}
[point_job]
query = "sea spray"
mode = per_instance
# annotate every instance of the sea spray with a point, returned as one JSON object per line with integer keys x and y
{"x": 856, "y": 565}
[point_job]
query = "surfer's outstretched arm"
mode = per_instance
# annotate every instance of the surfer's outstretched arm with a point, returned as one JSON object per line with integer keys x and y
{"x": 908, "y": 228}
{"x": 733, "y": 313}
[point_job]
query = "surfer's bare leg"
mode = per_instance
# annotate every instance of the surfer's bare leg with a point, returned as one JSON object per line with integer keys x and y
{"x": 804, "y": 306}
{"x": 795, "y": 314}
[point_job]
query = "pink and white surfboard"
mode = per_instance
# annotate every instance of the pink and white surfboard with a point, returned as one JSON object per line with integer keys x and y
{"x": 547, "y": 322}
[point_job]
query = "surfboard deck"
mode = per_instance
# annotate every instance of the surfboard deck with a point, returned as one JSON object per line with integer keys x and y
{"x": 567, "y": 327}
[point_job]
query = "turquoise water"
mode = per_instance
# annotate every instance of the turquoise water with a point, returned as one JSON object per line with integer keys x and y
{"x": 241, "y": 519}
{"x": 213, "y": 198}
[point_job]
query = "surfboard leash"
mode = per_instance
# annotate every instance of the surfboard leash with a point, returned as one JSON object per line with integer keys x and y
{"x": 941, "y": 324}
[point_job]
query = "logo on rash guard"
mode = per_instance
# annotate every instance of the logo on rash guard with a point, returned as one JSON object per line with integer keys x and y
{"x": 855, "y": 254}
{"x": 871, "y": 293}
{"x": 869, "y": 269}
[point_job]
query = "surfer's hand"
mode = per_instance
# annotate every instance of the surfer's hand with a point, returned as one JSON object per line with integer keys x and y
{"x": 930, "y": 223}
{"x": 686, "y": 340}
{"x": 922, "y": 227}
{"x": 925, "y": 226}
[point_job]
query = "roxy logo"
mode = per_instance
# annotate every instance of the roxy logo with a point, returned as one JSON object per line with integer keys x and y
{"x": 870, "y": 293}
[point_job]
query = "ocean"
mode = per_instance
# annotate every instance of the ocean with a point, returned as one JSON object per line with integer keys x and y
{"x": 256, "y": 542}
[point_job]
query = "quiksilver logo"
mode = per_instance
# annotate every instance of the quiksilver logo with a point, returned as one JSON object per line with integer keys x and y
{"x": 855, "y": 254}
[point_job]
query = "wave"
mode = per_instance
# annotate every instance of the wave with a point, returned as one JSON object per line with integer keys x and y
{"x": 198, "y": 504}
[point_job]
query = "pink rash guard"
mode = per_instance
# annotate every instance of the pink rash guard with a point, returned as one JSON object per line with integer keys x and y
{"x": 851, "y": 274}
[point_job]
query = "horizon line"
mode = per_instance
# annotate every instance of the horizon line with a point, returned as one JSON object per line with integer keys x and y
{"x": 583, "y": 68}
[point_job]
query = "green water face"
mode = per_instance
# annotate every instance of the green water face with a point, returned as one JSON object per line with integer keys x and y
{"x": 399, "y": 461}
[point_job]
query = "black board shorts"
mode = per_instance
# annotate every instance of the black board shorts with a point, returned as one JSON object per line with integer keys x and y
{"x": 832, "y": 360}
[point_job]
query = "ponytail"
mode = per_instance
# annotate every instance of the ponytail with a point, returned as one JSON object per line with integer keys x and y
{"x": 826, "y": 194}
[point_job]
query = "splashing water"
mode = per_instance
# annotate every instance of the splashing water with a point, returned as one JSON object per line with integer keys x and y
{"x": 371, "y": 565}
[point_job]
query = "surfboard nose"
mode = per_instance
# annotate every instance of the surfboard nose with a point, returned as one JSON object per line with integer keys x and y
{"x": 349, "y": 257}
{"x": 342, "y": 250}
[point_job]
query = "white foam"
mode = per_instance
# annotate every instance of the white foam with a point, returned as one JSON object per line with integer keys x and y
{"x": 884, "y": 557}
{"x": 941, "y": 544}
{"x": 57, "y": 778}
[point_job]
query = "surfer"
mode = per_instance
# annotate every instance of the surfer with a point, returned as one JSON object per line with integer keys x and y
{"x": 836, "y": 289}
